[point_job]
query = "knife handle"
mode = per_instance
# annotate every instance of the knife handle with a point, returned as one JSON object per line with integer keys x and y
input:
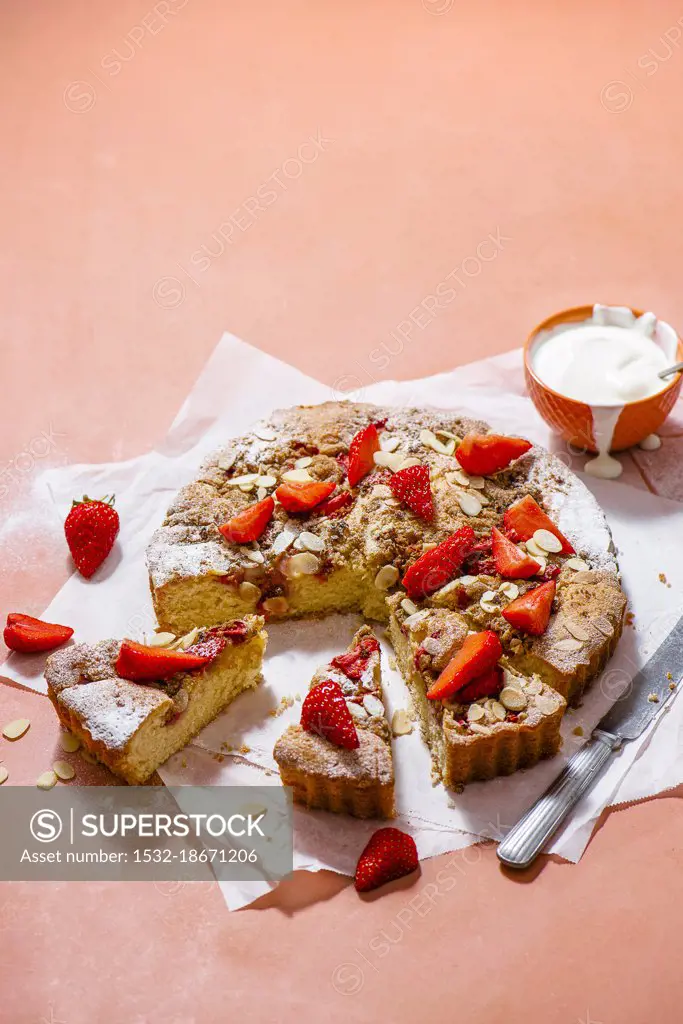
{"x": 525, "y": 841}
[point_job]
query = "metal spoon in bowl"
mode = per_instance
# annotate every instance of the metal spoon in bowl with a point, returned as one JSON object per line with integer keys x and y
{"x": 676, "y": 368}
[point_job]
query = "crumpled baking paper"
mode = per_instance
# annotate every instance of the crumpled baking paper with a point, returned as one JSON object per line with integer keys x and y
{"x": 240, "y": 385}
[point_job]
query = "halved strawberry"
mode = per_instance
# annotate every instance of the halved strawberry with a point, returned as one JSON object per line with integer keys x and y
{"x": 140, "y": 663}
{"x": 482, "y": 454}
{"x": 26, "y": 634}
{"x": 325, "y": 713}
{"x": 295, "y": 496}
{"x": 435, "y": 568}
{"x": 389, "y": 854}
{"x": 353, "y": 663}
{"x": 361, "y": 451}
{"x": 489, "y": 684}
{"x": 526, "y": 516}
{"x": 479, "y": 653}
{"x": 334, "y": 507}
{"x": 531, "y": 611}
{"x": 412, "y": 487}
{"x": 510, "y": 560}
{"x": 249, "y": 524}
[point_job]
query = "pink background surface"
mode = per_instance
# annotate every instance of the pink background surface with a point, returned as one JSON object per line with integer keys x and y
{"x": 130, "y": 137}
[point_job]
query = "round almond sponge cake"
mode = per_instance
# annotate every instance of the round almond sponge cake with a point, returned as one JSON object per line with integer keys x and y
{"x": 350, "y": 551}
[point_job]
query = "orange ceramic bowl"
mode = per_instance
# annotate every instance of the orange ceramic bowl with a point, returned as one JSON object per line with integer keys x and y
{"x": 573, "y": 420}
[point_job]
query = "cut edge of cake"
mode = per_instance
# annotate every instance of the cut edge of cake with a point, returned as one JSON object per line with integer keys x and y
{"x": 134, "y": 727}
{"x": 326, "y": 777}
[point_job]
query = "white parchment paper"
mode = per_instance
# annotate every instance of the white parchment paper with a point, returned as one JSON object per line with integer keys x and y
{"x": 240, "y": 385}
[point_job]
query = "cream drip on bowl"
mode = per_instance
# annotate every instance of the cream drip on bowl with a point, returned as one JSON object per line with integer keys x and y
{"x": 606, "y": 361}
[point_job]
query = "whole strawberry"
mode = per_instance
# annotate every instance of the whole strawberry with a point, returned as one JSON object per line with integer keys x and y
{"x": 389, "y": 854}
{"x": 91, "y": 528}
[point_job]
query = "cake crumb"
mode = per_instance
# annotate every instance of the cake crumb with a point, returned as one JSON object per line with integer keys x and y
{"x": 285, "y": 702}
{"x": 653, "y": 698}
{"x": 578, "y": 731}
{"x": 672, "y": 687}
{"x": 183, "y": 763}
{"x": 664, "y": 580}
{"x": 392, "y": 663}
{"x": 630, "y": 619}
{"x": 669, "y": 675}
{"x": 244, "y": 749}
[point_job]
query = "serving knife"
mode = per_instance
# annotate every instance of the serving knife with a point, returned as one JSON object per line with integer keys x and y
{"x": 639, "y": 703}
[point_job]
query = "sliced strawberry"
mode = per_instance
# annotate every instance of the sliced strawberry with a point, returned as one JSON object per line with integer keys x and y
{"x": 26, "y": 634}
{"x": 209, "y": 648}
{"x": 510, "y": 560}
{"x": 361, "y": 451}
{"x": 324, "y": 712}
{"x": 354, "y": 662}
{"x": 483, "y": 454}
{"x": 389, "y": 854}
{"x": 295, "y": 496}
{"x": 140, "y": 663}
{"x": 479, "y": 653}
{"x": 412, "y": 487}
{"x": 333, "y": 507}
{"x": 526, "y": 516}
{"x": 489, "y": 684}
{"x": 435, "y": 568}
{"x": 249, "y": 524}
{"x": 531, "y": 611}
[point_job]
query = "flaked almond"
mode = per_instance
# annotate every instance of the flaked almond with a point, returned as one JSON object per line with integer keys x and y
{"x": 264, "y": 433}
{"x": 449, "y": 434}
{"x": 187, "y": 640}
{"x": 276, "y": 605}
{"x": 509, "y": 590}
{"x": 389, "y": 460}
{"x": 512, "y": 698}
{"x": 304, "y": 462}
{"x": 534, "y": 686}
{"x": 410, "y": 461}
{"x": 546, "y": 705}
{"x": 4, "y": 774}
{"x": 475, "y": 713}
{"x": 261, "y": 493}
{"x": 266, "y": 480}
{"x": 386, "y": 577}
{"x": 63, "y": 770}
{"x": 497, "y": 710}
{"x": 47, "y": 780}
{"x": 603, "y": 624}
{"x": 479, "y": 729}
{"x": 414, "y": 620}
{"x": 569, "y": 645}
{"x": 470, "y": 504}
{"x": 283, "y": 541}
{"x": 69, "y": 742}
{"x": 431, "y": 645}
{"x": 381, "y": 491}
{"x": 357, "y": 710}
{"x": 227, "y": 461}
{"x": 542, "y": 564}
{"x": 534, "y": 549}
{"x": 311, "y": 541}
{"x": 577, "y": 564}
{"x": 256, "y": 556}
{"x": 303, "y": 564}
{"x": 297, "y": 476}
{"x": 249, "y": 591}
{"x": 389, "y": 442}
{"x": 547, "y": 541}
{"x": 408, "y": 606}
{"x": 429, "y": 438}
{"x": 577, "y": 629}
{"x": 245, "y": 478}
{"x": 247, "y": 488}
{"x": 160, "y": 639}
{"x": 401, "y": 724}
{"x": 489, "y": 601}
{"x": 373, "y": 705}
{"x": 14, "y": 730}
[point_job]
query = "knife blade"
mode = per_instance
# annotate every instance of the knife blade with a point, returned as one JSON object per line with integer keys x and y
{"x": 641, "y": 701}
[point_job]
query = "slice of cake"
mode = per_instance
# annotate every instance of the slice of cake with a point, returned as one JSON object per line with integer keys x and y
{"x": 133, "y": 705}
{"x": 489, "y": 720}
{"x": 339, "y": 758}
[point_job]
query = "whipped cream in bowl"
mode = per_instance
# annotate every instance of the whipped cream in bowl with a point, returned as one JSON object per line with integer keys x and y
{"x": 592, "y": 373}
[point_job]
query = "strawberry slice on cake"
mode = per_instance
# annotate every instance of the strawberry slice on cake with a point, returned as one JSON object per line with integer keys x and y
{"x": 479, "y": 714}
{"x": 338, "y": 758}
